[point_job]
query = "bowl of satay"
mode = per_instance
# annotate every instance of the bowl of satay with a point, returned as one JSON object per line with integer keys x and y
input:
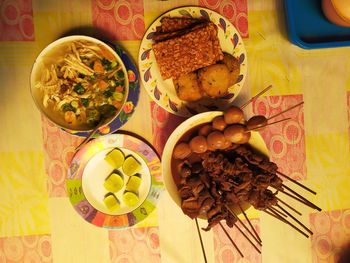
{"x": 216, "y": 166}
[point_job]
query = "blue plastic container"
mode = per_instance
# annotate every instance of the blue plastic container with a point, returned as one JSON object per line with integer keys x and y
{"x": 308, "y": 28}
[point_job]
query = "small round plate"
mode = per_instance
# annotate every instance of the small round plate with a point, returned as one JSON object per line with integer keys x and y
{"x": 131, "y": 101}
{"x": 163, "y": 91}
{"x": 87, "y": 173}
{"x": 92, "y": 181}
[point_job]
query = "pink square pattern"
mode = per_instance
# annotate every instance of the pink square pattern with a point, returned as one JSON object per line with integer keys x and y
{"x": 163, "y": 124}
{"x": 26, "y": 249}
{"x": 119, "y": 20}
{"x": 135, "y": 245}
{"x": 225, "y": 252}
{"x": 16, "y": 20}
{"x": 331, "y": 233}
{"x": 59, "y": 149}
{"x": 234, "y": 10}
{"x": 285, "y": 140}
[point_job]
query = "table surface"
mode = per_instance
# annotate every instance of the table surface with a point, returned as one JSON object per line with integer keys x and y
{"x": 37, "y": 221}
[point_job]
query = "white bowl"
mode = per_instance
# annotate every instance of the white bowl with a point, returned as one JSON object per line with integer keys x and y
{"x": 45, "y": 58}
{"x": 256, "y": 141}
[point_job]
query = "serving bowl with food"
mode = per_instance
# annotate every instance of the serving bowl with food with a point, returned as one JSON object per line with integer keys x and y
{"x": 193, "y": 143}
{"x": 216, "y": 165}
{"x": 79, "y": 82}
{"x": 192, "y": 60}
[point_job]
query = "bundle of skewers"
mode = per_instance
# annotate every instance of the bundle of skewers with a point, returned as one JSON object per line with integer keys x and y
{"x": 220, "y": 173}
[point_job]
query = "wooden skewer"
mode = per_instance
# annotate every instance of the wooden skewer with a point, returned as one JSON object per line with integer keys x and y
{"x": 250, "y": 223}
{"x": 267, "y": 124}
{"x": 275, "y": 215}
{"x": 290, "y": 207}
{"x": 287, "y": 222}
{"x": 269, "y": 213}
{"x": 296, "y": 105}
{"x": 255, "y": 97}
{"x": 278, "y": 212}
{"x": 240, "y": 230}
{"x": 301, "y": 197}
{"x": 301, "y": 200}
{"x": 296, "y": 182}
{"x": 233, "y": 243}
{"x": 245, "y": 227}
{"x": 200, "y": 239}
{"x": 295, "y": 219}
{"x": 296, "y": 198}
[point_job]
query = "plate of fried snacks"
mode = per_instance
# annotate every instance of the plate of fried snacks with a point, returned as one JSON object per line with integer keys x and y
{"x": 192, "y": 60}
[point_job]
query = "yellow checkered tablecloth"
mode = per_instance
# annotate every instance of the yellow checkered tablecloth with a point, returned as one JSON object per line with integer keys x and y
{"x": 37, "y": 221}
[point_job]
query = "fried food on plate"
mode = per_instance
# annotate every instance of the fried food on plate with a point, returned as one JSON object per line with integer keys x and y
{"x": 162, "y": 36}
{"x": 187, "y": 87}
{"x": 171, "y": 24}
{"x": 186, "y": 53}
{"x": 214, "y": 80}
{"x": 232, "y": 64}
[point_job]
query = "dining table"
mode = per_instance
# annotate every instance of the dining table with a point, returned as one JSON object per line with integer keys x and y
{"x": 37, "y": 220}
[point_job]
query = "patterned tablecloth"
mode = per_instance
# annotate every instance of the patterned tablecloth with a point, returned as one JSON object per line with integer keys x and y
{"x": 37, "y": 222}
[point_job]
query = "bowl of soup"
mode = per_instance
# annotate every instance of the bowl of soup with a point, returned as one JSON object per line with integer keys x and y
{"x": 79, "y": 82}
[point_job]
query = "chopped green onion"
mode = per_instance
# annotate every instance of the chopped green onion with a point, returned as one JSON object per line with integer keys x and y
{"x": 85, "y": 102}
{"x": 119, "y": 83}
{"x": 109, "y": 92}
{"x": 120, "y": 74}
{"x": 67, "y": 107}
{"x": 79, "y": 89}
{"x": 106, "y": 64}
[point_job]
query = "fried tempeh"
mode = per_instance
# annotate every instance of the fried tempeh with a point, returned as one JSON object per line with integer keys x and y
{"x": 187, "y": 53}
{"x": 171, "y": 24}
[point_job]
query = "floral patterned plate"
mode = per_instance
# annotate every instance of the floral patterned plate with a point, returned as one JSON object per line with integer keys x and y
{"x": 131, "y": 101}
{"x": 81, "y": 192}
{"x": 163, "y": 91}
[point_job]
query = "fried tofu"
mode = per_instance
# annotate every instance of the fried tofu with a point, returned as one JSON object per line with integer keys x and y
{"x": 187, "y": 87}
{"x": 214, "y": 80}
{"x": 233, "y": 66}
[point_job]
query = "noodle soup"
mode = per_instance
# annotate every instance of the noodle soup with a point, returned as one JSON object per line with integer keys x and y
{"x": 78, "y": 82}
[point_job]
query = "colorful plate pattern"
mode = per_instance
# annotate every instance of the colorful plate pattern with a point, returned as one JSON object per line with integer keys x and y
{"x": 163, "y": 91}
{"x": 76, "y": 169}
{"x": 131, "y": 101}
